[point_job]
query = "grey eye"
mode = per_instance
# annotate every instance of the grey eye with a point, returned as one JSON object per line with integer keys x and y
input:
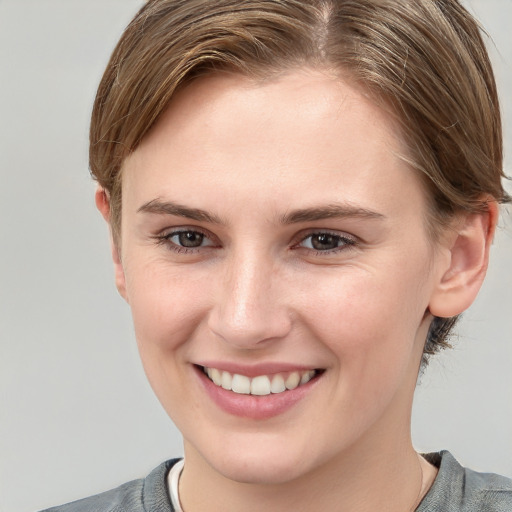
{"x": 189, "y": 239}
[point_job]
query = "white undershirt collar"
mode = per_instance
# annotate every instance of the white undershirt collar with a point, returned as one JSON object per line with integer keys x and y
{"x": 173, "y": 478}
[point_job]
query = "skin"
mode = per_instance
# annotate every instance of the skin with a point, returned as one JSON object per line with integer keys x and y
{"x": 256, "y": 291}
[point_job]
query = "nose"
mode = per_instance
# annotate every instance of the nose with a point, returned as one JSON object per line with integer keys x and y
{"x": 250, "y": 310}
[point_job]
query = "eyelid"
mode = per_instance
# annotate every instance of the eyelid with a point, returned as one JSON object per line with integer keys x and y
{"x": 302, "y": 235}
{"x": 351, "y": 240}
{"x": 164, "y": 238}
{"x": 165, "y": 235}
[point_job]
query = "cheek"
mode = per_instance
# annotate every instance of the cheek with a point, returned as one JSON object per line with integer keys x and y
{"x": 370, "y": 317}
{"x": 373, "y": 352}
{"x": 166, "y": 304}
{"x": 167, "y": 307}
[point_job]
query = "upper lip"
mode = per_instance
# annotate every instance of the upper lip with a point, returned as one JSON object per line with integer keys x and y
{"x": 256, "y": 369}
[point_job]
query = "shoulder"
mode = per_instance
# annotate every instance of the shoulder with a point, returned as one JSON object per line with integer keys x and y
{"x": 144, "y": 495}
{"x": 123, "y": 498}
{"x": 459, "y": 489}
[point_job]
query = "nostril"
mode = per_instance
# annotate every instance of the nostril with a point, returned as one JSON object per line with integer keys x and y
{"x": 250, "y": 329}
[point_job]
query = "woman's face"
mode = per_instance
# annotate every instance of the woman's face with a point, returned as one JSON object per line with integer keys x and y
{"x": 271, "y": 234}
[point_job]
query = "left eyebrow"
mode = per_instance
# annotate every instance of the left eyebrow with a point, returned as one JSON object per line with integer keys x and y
{"x": 159, "y": 207}
{"x": 332, "y": 211}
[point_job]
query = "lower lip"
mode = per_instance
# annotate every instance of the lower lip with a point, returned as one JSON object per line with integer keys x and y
{"x": 251, "y": 406}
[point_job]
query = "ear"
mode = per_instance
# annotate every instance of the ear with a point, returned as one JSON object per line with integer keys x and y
{"x": 465, "y": 268}
{"x": 103, "y": 204}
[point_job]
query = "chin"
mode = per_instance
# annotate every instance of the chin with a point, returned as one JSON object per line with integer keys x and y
{"x": 261, "y": 470}
{"x": 260, "y": 459}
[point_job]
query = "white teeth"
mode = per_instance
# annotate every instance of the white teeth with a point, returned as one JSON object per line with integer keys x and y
{"x": 215, "y": 376}
{"x": 306, "y": 377}
{"x": 277, "y": 385}
{"x": 226, "y": 380}
{"x": 261, "y": 385}
{"x": 241, "y": 384}
{"x": 292, "y": 381}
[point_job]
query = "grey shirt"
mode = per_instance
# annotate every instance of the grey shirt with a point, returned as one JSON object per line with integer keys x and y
{"x": 455, "y": 489}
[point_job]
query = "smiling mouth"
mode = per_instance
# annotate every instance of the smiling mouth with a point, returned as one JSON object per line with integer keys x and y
{"x": 261, "y": 385}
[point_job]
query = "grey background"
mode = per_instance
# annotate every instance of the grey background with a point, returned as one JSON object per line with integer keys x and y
{"x": 76, "y": 414}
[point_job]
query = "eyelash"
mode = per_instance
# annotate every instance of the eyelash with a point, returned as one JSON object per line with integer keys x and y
{"x": 346, "y": 242}
{"x": 165, "y": 239}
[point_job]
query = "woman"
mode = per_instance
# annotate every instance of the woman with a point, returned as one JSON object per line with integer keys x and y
{"x": 302, "y": 197}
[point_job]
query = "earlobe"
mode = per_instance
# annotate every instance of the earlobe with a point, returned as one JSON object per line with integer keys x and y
{"x": 103, "y": 204}
{"x": 468, "y": 248}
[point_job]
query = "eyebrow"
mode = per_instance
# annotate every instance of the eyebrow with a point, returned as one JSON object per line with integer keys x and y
{"x": 331, "y": 211}
{"x": 169, "y": 208}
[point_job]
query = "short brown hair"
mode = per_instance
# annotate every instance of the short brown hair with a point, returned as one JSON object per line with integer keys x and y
{"x": 423, "y": 58}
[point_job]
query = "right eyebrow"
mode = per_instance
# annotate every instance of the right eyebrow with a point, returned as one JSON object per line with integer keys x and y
{"x": 331, "y": 211}
{"x": 160, "y": 207}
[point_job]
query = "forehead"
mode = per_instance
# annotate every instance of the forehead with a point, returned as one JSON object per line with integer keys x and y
{"x": 305, "y": 136}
